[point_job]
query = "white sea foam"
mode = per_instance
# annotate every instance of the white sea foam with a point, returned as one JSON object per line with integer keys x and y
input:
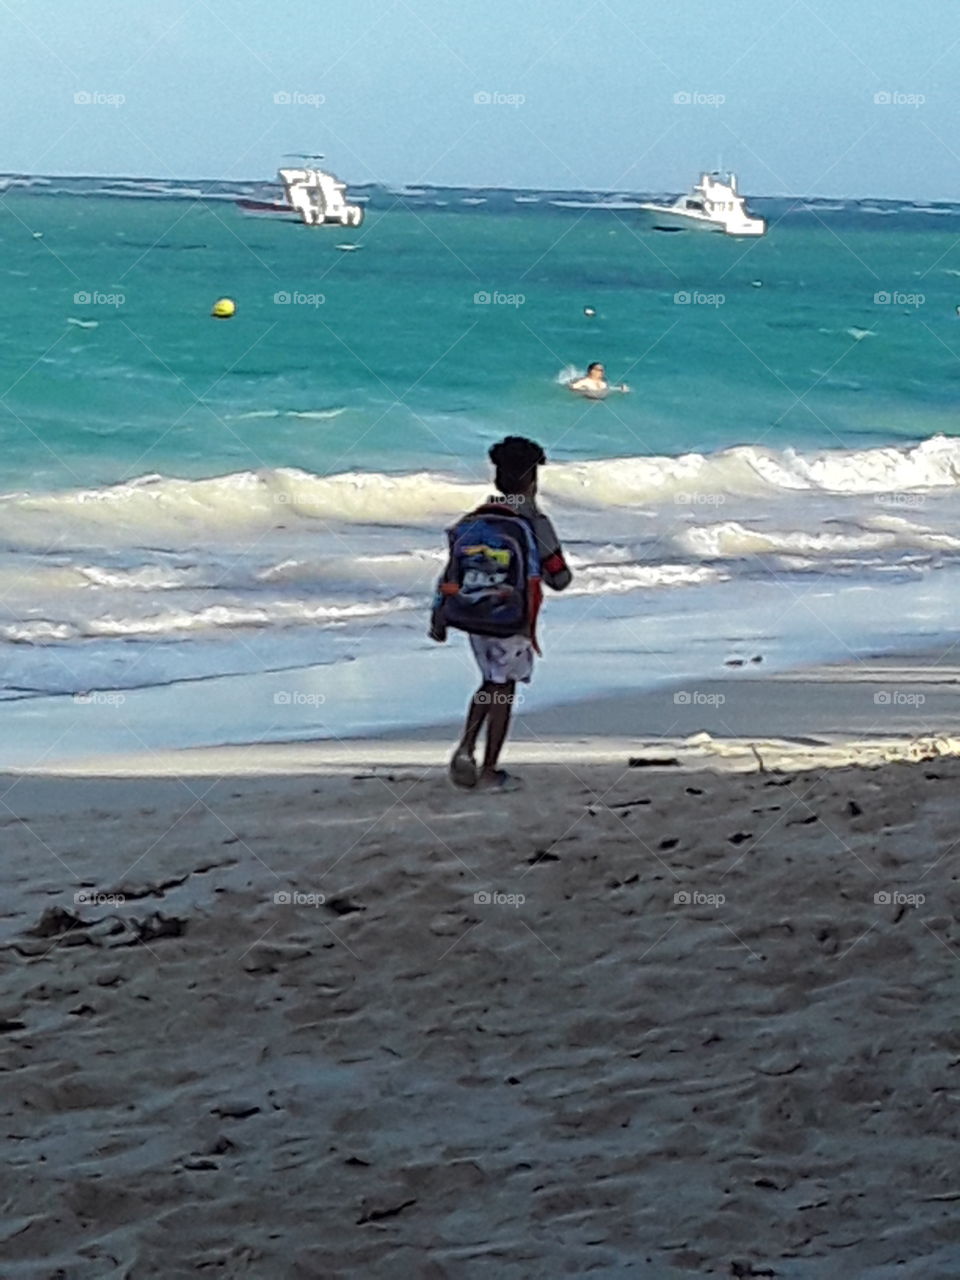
{"x": 617, "y": 579}
{"x": 319, "y": 414}
{"x": 405, "y": 571}
{"x": 233, "y": 616}
{"x": 39, "y": 631}
{"x": 752, "y": 470}
{"x": 180, "y": 510}
{"x": 149, "y": 577}
{"x": 731, "y": 539}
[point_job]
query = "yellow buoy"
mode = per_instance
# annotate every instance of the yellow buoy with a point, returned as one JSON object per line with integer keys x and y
{"x": 224, "y": 308}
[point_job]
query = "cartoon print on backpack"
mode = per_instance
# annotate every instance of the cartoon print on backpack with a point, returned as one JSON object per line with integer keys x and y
{"x": 485, "y": 571}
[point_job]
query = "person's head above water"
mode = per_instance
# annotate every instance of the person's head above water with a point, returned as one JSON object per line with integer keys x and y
{"x": 595, "y": 370}
{"x": 515, "y": 462}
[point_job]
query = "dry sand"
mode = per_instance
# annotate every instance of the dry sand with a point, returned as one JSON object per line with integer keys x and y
{"x": 760, "y": 1079}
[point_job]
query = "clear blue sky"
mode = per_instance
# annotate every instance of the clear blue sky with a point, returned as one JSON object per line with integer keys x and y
{"x": 797, "y": 78}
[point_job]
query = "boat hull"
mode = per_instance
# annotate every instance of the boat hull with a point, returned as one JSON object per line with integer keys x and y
{"x": 267, "y": 209}
{"x": 667, "y": 219}
{"x": 352, "y": 214}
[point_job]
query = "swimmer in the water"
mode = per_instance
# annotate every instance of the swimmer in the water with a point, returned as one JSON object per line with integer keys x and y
{"x": 594, "y": 383}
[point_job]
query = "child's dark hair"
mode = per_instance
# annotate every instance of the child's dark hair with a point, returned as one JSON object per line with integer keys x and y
{"x": 515, "y": 462}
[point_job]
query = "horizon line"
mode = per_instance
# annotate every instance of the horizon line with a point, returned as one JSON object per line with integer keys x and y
{"x": 443, "y": 186}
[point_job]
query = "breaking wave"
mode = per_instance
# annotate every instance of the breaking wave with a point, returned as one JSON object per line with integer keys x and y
{"x": 160, "y": 506}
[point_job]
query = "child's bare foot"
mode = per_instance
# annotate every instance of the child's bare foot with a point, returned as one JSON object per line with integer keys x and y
{"x": 499, "y": 780}
{"x": 463, "y": 770}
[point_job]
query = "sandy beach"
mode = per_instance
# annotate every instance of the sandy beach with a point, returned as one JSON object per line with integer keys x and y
{"x": 284, "y": 1015}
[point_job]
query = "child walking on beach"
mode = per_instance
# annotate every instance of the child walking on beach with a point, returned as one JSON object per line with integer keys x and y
{"x": 491, "y": 588}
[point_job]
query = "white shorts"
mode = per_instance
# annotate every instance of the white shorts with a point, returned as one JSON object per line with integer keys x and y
{"x": 503, "y": 659}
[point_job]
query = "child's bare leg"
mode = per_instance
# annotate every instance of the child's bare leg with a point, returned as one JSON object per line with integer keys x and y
{"x": 476, "y": 714}
{"x": 463, "y": 770}
{"x": 500, "y": 706}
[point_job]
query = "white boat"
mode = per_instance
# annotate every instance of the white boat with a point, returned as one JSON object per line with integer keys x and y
{"x": 318, "y": 198}
{"x": 313, "y": 195}
{"x": 712, "y": 205}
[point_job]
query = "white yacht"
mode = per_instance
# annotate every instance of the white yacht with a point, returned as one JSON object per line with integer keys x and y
{"x": 714, "y": 204}
{"x": 318, "y": 198}
{"x": 313, "y": 196}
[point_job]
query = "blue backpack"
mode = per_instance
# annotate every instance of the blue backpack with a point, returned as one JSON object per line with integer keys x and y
{"x": 492, "y": 580}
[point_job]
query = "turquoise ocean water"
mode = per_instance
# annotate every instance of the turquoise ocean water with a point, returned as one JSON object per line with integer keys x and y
{"x": 186, "y": 499}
